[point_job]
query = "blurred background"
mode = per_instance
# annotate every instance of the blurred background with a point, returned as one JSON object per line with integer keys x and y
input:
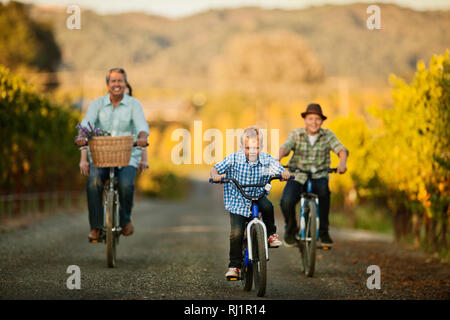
{"x": 231, "y": 65}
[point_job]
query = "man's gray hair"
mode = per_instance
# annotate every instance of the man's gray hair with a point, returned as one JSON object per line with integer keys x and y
{"x": 120, "y": 70}
{"x": 252, "y": 132}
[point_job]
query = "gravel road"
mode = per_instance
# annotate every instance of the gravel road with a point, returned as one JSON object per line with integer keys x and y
{"x": 180, "y": 251}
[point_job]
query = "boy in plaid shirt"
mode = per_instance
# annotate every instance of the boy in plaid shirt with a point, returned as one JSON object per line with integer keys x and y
{"x": 247, "y": 166}
{"x": 311, "y": 145}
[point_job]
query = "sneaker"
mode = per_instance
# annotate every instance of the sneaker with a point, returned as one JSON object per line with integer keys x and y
{"x": 274, "y": 241}
{"x": 326, "y": 240}
{"x": 233, "y": 274}
{"x": 289, "y": 240}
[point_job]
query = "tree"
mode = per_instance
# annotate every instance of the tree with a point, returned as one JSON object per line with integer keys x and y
{"x": 414, "y": 150}
{"x": 25, "y": 42}
{"x": 36, "y": 150}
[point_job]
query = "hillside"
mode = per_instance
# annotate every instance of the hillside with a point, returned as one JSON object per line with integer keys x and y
{"x": 164, "y": 48}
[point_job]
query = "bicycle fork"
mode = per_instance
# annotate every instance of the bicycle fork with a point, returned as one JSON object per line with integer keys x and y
{"x": 254, "y": 221}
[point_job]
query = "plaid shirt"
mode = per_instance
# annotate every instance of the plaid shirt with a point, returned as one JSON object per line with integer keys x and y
{"x": 308, "y": 157}
{"x": 237, "y": 166}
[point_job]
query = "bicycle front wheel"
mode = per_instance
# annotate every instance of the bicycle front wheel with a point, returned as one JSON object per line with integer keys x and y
{"x": 247, "y": 270}
{"x": 110, "y": 234}
{"x": 308, "y": 245}
{"x": 259, "y": 259}
{"x": 247, "y": 277}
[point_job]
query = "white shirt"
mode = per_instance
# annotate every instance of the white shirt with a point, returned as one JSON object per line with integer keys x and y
{"x": 312, "y": 139}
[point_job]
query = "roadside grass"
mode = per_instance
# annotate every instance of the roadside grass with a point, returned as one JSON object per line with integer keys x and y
{"x": 163, "y": 180}
{"x": 10, "y": 222}
{"x": 366, "y": 217}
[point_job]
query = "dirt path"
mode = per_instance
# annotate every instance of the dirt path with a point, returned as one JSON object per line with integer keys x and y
{"x": 180, "y": 249}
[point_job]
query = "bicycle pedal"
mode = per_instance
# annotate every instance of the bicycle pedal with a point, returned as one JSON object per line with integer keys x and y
{"x": 233, "y": 278}
{"x": 95, "y": 240}
{"x": 325, "y": 248}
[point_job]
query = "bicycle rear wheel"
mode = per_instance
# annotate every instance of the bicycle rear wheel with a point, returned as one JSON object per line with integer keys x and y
{"x": 110, "y": 234}
{"x": 308, "y": 246}
{"x": 259, "y": 259}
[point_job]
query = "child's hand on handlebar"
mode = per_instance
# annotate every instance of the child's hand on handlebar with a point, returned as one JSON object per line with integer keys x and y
{"x": 285, "y": 175}
{"x": 216, "y": 177}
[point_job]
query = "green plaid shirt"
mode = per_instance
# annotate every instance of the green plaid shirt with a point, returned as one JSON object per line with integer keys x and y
{"x": 308, "y": 157}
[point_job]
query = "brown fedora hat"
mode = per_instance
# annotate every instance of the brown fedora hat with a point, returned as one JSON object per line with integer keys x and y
{"x": 313, "y": 108}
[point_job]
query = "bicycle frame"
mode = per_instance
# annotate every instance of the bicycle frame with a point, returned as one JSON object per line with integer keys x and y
{"x": 308, "y": 196}
{"x": 116, "y": 201}
{"x": 111, "y": 230}
{"x": 110, "y": 187}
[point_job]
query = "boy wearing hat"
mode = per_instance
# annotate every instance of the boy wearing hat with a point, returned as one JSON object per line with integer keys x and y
{"x": 311, "y": 145}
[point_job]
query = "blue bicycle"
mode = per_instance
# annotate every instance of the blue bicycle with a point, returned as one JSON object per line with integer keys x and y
{"x": 308, "y": 222}
{"x": 255, "y": 246}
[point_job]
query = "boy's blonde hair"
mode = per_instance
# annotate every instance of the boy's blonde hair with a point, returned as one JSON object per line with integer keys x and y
{"x": 252, "y": 132}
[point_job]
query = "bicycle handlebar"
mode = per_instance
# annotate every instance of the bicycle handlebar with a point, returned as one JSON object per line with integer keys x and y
{"x": 134, "y": 144}
{"x": 241, "y": 186}
{"x": 330, "y": 170}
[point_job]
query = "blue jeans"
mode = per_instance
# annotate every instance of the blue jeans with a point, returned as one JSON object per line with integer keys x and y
{"x": 95, "y": 186}
{"x": 291, "y": 196}
{"x": 238, "y": 222}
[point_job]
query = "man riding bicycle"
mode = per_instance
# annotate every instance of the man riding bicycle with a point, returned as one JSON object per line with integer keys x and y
{"x": 311, "y": 146}
{"x": 121, "y": 115}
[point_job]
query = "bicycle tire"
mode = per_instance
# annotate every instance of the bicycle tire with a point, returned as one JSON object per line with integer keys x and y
{"x": 110, "y": 234}
{"x": 308, "y": 246}
{"x": 247, "y": 270}
{"x": 259, "y": 260}
{"x": 247, "y": 277}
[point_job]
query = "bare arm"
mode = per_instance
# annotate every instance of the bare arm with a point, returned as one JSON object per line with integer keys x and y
{"x": 283, "y": 152}
{"x": 143, "y": 164}
{"x": 342, "y": 161}
{"x": 84, "y": 162}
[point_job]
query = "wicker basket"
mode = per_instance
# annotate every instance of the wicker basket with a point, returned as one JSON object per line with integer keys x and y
{"x": 111, "y": 151}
